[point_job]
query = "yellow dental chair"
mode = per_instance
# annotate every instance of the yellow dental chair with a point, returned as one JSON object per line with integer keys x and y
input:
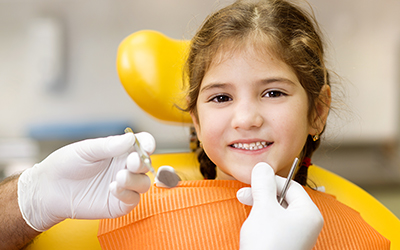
{"x": 150, "y": 68}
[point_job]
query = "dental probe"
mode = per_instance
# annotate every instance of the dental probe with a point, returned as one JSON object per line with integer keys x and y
{"x": 289, "y": 178}
{"x": 142, "y": 154}
{"x": 167, "y": 177}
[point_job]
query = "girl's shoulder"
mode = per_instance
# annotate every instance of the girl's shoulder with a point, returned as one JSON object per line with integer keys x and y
{"x": 340, "y": 219}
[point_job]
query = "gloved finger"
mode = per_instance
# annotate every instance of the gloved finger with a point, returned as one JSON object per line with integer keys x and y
{"x": 295, "y": 193}
{"x": 137, "y": 182}
{"x": 103, "y": 148}
{"x": 147, "y": 142}
{"x": 263, "y": 184}
{"x": 280, "y": 182}
{"x": 126, "y": 208}
{"x": 245, "y": 196}
{"x": 298, "y": 200}
{"x": 128, "y": 197}
{"x": 135, "y": 164}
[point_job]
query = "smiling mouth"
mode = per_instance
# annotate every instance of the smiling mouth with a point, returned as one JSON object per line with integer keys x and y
{"x": 251, "y": 146}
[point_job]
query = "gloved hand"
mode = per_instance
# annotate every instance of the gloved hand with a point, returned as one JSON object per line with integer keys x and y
{"x": 271, "y": 226}
{"x": 91, "y": 179}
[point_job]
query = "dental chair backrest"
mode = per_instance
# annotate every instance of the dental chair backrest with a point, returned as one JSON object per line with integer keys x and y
{"x": 149, "y": 65}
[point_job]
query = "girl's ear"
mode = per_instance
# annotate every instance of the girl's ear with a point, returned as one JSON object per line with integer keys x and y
{"x": 322, "y": 108}
{"x": 196, "y": 125}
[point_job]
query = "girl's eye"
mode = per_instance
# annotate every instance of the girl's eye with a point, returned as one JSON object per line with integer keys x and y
{"x": 221, "y": 98}
{"x": 274, "y": 94}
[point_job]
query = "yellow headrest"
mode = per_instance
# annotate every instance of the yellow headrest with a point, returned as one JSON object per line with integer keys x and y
{"x": 150, "y": 65}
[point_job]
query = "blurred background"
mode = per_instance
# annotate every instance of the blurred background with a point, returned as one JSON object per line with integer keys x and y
{"x": 58, "y": 81}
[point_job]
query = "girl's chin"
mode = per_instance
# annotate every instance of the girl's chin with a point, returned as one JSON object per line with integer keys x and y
{"x": 243, "y": 177}
{"x": 245, "y": 180}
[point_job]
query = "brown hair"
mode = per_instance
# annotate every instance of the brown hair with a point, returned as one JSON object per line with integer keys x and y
{"x": 280, "y": 27}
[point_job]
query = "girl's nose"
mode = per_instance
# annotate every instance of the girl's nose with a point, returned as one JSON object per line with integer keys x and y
{"x": 247, "y": 116}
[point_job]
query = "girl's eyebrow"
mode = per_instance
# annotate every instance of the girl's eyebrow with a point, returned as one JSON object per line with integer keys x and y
{"x": 214, "y": 86}
{"x": 265, "y": 81}
{"x": 277, "y": 79}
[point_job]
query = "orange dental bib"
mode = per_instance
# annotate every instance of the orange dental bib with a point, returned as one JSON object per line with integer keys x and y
{"x": 206, "y": 215}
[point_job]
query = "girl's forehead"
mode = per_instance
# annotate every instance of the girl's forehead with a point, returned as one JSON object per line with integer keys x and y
{"x": 248, "y": 49}
{"x": 251, "y": 61}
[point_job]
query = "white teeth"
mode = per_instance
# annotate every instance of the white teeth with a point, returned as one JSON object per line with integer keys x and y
{"x": 251, "y": 146}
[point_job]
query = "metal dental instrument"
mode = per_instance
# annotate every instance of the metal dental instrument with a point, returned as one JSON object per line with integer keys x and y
{"x": 168, "y": 178}
{"x": 142, "y": 154}
{"x": 287, "y": 183}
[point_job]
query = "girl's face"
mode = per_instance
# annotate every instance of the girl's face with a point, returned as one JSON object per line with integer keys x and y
{"x": 251, "y": 108}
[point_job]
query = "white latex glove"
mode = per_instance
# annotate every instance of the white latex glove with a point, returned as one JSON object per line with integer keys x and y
{"x": 271, "y": 226}
{"x": 91, "y": 179}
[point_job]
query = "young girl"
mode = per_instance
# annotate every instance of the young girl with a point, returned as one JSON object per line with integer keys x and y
{"x": 259, "y": 91}
{"x": 257, "y": 76}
